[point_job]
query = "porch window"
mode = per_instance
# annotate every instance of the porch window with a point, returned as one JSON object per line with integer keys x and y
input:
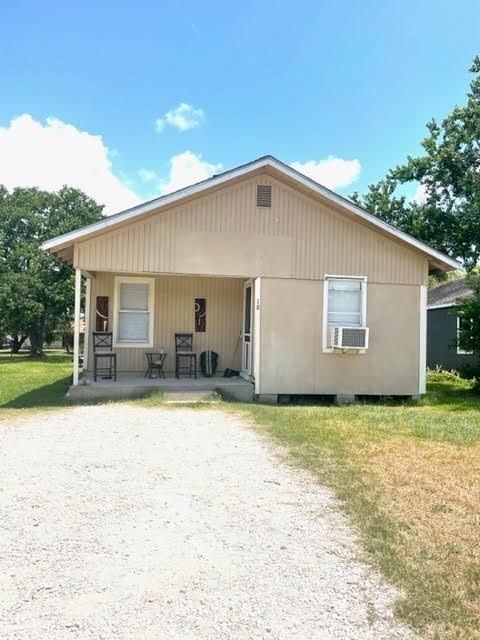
{"x": 134, "y": 312}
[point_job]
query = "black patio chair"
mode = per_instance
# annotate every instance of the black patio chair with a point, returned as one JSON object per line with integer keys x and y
{"x": 103, "y": 355}
{"x": 184, "y": 350}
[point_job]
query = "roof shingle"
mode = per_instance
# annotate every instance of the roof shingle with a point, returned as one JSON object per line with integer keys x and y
{"x": 448, "y": 293}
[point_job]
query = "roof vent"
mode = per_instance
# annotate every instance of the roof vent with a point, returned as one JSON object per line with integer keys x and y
{"x": 264, "y": 195}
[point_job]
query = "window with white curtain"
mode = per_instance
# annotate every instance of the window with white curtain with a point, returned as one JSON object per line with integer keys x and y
{"x": 346, "y": 302}
{"x": 134, "y": 312}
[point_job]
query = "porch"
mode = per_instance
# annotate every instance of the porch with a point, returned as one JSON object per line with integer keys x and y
{"x": 134, "y": 384}
{"x": 143, "y": 314}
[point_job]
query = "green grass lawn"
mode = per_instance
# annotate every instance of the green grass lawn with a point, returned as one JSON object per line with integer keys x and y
{"x": 31, "y": 383}
{"x": 407, "y": 475}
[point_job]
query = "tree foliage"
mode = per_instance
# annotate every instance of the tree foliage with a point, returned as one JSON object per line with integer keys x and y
{"x": 36, "y": 292}
{"x": 468, "y": 310}
{"x": 448, "y": 217}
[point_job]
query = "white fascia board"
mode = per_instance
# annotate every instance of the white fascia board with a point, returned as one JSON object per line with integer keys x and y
{"x": 422, "y": 354}
{"x": 440, "y": 306}
{"x": 152, "y": 205}
{"x": 239, "y": 172}
{"x": 344, "y": 203}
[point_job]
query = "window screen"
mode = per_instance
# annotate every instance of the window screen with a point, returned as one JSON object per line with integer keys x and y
{"x": 345, "y": 302}
{"x": 134, "y": 313}
{"x": 133, "y": 296}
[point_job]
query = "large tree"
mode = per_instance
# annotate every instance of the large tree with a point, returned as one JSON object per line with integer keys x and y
{"x": 36, "y": 292}
{"x": 448, "y": 215}
{"x": 468, "y": 310}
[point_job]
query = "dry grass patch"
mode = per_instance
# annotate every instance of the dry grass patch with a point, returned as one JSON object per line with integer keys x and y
{"x": 434, "y": 489}
{"x": 408, "y": 476}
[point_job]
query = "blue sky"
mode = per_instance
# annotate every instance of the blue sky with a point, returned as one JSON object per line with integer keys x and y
{"x": 303, "y": 81}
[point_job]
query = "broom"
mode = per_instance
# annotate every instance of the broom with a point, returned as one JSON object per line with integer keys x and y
{"x": 230, "y": 372}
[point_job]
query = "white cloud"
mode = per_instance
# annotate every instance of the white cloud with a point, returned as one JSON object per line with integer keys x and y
{"x": 420, "y": 195}
{"x": 185, "y": 169}
{"x": 146, "y": 175}
{"x": 183, "y": 118}
{"x": 54, "y": 154}
{"x": 331, "y": 172}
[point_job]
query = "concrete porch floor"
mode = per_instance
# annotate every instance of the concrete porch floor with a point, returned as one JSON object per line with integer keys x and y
{"x": 130, "y": 385}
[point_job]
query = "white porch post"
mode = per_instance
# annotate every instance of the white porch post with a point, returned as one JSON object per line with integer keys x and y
{"x": 86, "y": 323}
{"x": 257, "y": 335}
{"x": 76, "y": 325}
{"x": 422, "y": 360}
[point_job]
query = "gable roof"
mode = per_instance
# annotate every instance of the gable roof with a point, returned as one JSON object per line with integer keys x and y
{"x": 269, "y": 163}
{"x": 447, "y": 294}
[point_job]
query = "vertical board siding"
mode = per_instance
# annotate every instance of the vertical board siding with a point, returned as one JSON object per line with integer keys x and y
{"x": 322, "y": 240}
{"x": 292, "y": 333}
{"x": 174, "y": 312}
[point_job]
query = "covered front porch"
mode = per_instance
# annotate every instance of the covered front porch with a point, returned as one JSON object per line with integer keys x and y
{"x": 143, "y": 314}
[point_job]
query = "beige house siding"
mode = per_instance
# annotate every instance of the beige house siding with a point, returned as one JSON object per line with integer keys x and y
{"x": 291, "y": 357}
{"x": 225, "y": 234}
{"x": 215, "y": 242}
{"x": 174, "y": 312}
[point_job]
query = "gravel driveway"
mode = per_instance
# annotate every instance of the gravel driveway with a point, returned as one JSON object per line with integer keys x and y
{"x": 121, "y": 522}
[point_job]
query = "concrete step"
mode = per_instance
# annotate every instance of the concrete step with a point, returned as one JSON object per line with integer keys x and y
{"x": 178, "y": 397}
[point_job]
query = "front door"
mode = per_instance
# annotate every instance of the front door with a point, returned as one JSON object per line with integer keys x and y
{"x": 247, "y": 333}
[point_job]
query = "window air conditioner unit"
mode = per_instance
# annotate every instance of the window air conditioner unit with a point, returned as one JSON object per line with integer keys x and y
{"x": 349, "y": 337}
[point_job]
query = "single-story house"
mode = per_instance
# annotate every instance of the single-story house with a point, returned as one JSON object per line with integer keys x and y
{"x": 443, "y": 326}
{"x": 323, "y": 297}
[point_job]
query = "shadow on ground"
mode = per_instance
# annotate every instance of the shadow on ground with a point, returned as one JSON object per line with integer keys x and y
{"x": 49, "y": 395}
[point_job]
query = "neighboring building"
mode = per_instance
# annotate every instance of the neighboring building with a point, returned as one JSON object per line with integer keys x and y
{"x": 328, "y": 298}
{"x": 443, "y": 326}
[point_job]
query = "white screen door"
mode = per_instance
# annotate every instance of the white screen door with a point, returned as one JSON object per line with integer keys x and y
{"x": 247, "y": 333}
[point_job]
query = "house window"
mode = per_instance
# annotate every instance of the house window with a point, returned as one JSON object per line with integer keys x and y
{"x": 345, "y": 302}
{"x": 134, "y": 312}
{"x": 462, "y": 325}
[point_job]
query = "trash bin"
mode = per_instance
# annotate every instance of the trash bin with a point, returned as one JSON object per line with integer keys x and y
{"x": 208, "y": 363}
